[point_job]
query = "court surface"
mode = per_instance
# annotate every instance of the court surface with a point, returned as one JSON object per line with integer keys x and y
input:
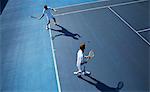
{"x": 36, "y": 60}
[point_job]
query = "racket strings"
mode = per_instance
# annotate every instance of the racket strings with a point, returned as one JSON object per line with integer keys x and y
{"x": 91, "y": 54}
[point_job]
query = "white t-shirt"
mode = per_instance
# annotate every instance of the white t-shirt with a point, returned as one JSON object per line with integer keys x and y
{"x": 80, "y": 57}
{"x": 48, "y": 13}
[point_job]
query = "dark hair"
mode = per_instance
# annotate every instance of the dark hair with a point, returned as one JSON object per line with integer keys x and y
{"x": 82, "y": 46}
{"x": 45, "y": 6}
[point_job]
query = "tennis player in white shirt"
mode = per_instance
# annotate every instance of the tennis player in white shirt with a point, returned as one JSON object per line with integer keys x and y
{"x": 80, "y": 60}
{"x": 49, "y": 15}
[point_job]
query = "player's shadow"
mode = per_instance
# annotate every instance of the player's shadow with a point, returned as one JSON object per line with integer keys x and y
{"x": 103, "y": 87}
{"x": 65, "y": 32}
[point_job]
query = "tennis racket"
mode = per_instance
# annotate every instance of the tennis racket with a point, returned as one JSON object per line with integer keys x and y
{"x": 34, "y": 17}
{"x": 90, "y": 55}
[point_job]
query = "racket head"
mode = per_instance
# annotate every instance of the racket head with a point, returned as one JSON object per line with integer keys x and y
{"x": 91, "y": 54}
{"x": 33, "y": 17}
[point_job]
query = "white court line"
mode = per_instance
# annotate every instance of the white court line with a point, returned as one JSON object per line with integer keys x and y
{"x": 106, "y": 6}
{"x": 55, "y": 64}
{"x": 128, "y": 25}
{"x": 144, "y": 30}
{"x": 74, "y": 5}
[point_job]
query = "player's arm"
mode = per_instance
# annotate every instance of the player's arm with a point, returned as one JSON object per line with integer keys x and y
{"x": 53, "y": 9}
{"x": 41, "y": 16}
{"x": 87, "y": 57}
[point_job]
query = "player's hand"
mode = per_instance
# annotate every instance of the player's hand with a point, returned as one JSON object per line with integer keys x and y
{"x": 89, "y": 57}
{"x": 55, "y": 10}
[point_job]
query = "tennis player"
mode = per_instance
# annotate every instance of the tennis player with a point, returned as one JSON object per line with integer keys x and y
{"x": 49, "y": 15}
{"x": 80, "y": 60}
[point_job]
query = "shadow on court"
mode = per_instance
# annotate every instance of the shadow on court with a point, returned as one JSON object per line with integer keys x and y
{"x": 103, "y": 87}
{"x": 65, "y": 32}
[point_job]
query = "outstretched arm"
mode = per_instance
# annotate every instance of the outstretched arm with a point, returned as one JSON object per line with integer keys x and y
{"x": 53, "y": 9}
{"x": 41, "y": 16}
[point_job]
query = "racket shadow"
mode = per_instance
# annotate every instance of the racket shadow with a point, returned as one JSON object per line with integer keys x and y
{"x": 103, "y": 87}
{"x": 65, "y": 32}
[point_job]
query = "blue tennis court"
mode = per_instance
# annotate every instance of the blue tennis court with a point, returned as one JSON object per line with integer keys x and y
{"x": 36, "y": 60}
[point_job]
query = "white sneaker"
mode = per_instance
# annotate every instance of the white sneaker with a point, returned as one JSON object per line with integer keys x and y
{"x": 75, "y": 73}
{"x": 83, "y": 73}
{"x": 87, "y": 72}
{"x": 47, "y": 28}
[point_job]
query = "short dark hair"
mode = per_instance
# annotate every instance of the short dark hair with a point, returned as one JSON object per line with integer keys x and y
{"x": 82, "y": 46}
{"x": 45, "y": 6}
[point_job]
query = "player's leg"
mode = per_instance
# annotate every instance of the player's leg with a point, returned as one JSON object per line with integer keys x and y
{"x": 55, "y": 21}
{"x": 85, "y": 72}
{"x": 48, "y": 25}
{"x": 78, "y": 68}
